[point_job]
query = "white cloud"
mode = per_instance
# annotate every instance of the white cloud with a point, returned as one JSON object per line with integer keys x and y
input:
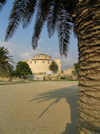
{"x": 7, "y": 45}
{"x": 49, "y": 48}
{"x": 29, "y": 53}
{"x": 68, "y": 61}
{"x": 25, "y": 55}
{"x": 40, "y": 40}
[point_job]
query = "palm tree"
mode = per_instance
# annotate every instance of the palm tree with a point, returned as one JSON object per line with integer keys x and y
{"x": 5, "y": 62}
{"x": 83, "y": 16}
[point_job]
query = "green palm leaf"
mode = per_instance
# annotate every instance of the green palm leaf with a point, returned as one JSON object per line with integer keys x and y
{"x": 64, "y": 27}
{"x": 52, "y": 11}
{"x": 53, "y": 16}
{"x": 29, "y": 11}
{"x": 2, "y": 2}
{"x": 5, "y": 61}
{"x": 42, "y": 13}
{"x": 15, "y": 17}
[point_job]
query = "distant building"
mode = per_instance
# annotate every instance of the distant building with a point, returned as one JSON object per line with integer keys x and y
{"x": 68, "y": 71}
{"x": 41, "y": 62}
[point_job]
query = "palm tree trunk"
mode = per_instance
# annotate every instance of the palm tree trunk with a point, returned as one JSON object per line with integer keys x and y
{"x": 87, "y": 23}
{"x": 1, "y": 75}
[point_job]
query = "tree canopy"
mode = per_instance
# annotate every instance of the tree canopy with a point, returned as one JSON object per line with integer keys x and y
{"x": 57, "y": 13}
{"x": 53, "y": 67}
{"x": 76, "y": 65}
{"x": 22, "y": 68}
{"x": 5, "y": 62}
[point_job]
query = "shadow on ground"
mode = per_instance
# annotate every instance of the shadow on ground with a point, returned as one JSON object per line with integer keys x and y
{"x": 71, "y": 96}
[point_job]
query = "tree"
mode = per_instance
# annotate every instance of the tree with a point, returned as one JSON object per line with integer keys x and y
{"x": 76, "y": 65}
{"x": 62, "y": 15}
{"x": 53, "y": 67}
{"x": 22, "y": 69}
{"x": 76, "y": 70}
{"x": 5, "y": 62}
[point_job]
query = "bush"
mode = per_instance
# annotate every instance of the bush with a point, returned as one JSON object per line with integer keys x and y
{"x": 53, "y": 67}
{"x": 62, "y": 77}
{"x": 22, "y": 69}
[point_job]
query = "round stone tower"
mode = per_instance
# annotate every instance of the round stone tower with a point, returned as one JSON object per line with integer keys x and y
{"x": 41, "y": 62}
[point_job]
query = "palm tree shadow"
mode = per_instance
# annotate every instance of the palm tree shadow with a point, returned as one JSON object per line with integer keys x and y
{"x": 71, "y": 96}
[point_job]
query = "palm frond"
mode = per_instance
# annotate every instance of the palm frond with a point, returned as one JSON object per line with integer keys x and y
{"x": 70, "y": 5}
{"x": 15, "y": 17}
{"x": 37, "y": 29}
{"x": 52, "y": 17}
{"x": 45, "y": 5}
{"x": 5, "y": 62}
{"x": 92, "y": 2}
{"x": 42, "y": 13}
{"x": 2, "y": 3}
{"x": 64, "y": 27}
{"x": 29, "y": 11}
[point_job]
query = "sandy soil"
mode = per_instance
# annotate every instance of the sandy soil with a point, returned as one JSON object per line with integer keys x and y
{"x": 39, "y": 108}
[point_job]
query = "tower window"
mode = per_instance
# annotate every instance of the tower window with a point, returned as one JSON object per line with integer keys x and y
{"x": 43, "y": 61}
{"x": 35, "y": 61}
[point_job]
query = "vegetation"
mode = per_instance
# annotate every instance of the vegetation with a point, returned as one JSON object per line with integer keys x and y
{"x": 5, "y": 62}
{"x": 76, "y": 65}
{"x": 76, "y": 70}
{"x": 63, "y": 78}
{"x": 53, "y": 67}
{"x": 62, "y": 15}
{"x": 22, "y": 69}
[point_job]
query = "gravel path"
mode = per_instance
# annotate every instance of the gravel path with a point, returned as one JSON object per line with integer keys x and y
{"x": 39, "y": 108}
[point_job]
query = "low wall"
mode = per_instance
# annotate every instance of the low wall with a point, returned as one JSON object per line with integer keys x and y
{"x": 68, "y": 71}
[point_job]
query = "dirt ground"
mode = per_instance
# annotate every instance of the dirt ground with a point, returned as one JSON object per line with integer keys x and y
{"x": 39, "y": 108}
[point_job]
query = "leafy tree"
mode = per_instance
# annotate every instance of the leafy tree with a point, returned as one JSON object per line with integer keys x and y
{"x": 53, "y": 67}
{"x": 5, "y": 62}
{"x": 76, "y": 70}
{"x": 22, "y": 69}
{"x": 76, "y": 66}
{"x": 62, "y": 15}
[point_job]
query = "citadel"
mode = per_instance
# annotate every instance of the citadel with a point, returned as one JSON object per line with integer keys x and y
{"x": 41, "y": 62}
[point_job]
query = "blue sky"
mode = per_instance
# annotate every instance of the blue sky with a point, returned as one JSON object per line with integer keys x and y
{"x": 20, "y": 44}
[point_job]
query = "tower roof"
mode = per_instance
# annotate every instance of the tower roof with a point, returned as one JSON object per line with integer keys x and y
{"x": 42, "y": 56}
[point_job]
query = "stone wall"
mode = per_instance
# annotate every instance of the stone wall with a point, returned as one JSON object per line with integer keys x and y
{"x": 11, "y": 79}
{"x": 68, "y": 71}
